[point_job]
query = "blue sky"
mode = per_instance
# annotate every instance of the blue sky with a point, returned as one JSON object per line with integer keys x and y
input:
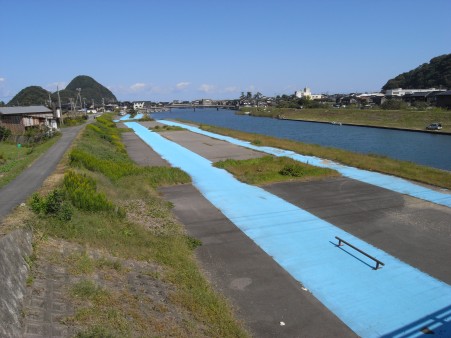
{"x": 173, "y": 49}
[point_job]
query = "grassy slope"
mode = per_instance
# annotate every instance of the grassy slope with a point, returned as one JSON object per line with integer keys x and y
{"x": 13, "y": 160}
{"x": 408, "y": 170}
{"x": 404, "y": 119}
{"x": 148, "y": 234}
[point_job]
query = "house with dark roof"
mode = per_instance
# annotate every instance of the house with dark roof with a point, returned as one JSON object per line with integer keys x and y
{"x": 427, "y": 97}
{"x": 19, "y": 119}
{"x": 443, "y": 99}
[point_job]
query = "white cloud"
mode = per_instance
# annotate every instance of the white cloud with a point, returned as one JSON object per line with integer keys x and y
{"x": 182, "y": 85}
{"x": 206, "y": 88}
{"x": 2, "y": 79}
{"x": 138, "y": 87}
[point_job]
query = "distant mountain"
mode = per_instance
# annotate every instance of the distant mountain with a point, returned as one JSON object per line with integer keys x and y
{"x": 33, "y": 95}
{"x": 435, "y": 74}
{"x": 91, "y": 91}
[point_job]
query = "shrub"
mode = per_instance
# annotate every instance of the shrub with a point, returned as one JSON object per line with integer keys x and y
{"x": 394, "y": 104}
{"x": 292, "y": 170}
{"x": 53, "y": 204}
{"x": 81, "y": 190}
{"x": 4, "y": 133}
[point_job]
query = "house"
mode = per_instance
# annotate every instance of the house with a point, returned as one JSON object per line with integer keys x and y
{"x": 427, "y": 97}
{"x": 371, "y": 99}
{"x": 443, "y": 99}
{"x": 346, "y": 100}
{"x": 19, "y": 119}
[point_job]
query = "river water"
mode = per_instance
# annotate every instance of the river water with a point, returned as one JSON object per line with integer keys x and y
{"x": 428, "y": 149}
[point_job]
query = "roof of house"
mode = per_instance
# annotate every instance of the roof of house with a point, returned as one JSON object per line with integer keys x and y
{"x": 24, "y": 110}
{"x": 447, "y": 93}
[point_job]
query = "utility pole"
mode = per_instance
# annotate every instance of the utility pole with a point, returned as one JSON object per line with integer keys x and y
{"x": 78, "y": 97}
{"x": 59, "y": 105}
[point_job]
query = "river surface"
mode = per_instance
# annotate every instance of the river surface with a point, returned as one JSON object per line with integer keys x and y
{"x": 427, "y": 149}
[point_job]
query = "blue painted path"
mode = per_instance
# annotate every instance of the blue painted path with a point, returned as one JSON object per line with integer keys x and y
{"x": 127, "y": 117}
{"x": 385, "y": 181}
{"x": 395, "y": 301}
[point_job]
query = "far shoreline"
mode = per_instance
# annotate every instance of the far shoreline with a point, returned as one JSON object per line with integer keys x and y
{"x": 367, "y": 126}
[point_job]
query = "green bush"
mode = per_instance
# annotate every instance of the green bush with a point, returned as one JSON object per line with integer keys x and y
{"x": 81, "y": 191}
{"x": 4, "y": 133}
{"x": 113, "y": 169}
{"x": 292, "y": 170}
{"x": 394, "y": 104}
{"x": 54, "y": 204}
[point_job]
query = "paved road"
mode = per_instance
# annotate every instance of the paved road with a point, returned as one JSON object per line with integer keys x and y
{"x": 32, "y": 178}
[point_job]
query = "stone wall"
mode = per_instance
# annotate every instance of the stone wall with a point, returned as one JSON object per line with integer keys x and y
{"x": 15, "y": 248}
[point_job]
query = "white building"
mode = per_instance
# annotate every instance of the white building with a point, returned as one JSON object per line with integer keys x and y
{"x": 138, "y": 105}
{"x": 402, "y": 92}
{"x": 307, "y": 93}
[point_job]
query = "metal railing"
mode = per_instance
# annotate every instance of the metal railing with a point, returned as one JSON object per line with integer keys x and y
{"x": 378, "y": 262}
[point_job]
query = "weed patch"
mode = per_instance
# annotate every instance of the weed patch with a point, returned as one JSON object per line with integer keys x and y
{"x": 269, "y": 169}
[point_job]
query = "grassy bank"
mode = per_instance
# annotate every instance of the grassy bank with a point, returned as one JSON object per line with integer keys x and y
{"x": 108, "y": 209}
{"x": 408, "y": 170}
{"x": 14, "y": 159}
{"x": 270, "y": 169}
{"x": 404, "y": 119}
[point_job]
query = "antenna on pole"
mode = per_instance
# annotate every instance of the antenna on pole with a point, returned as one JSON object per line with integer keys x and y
{"x": 59, "y": 105}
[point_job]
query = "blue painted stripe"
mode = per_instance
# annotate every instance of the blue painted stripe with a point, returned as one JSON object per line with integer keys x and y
{"x": 127, "y": 117}
{"x": 397, "y": 300}
{"x": 385, "y": 181}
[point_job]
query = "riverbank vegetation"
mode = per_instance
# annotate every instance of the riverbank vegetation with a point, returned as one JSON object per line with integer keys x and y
{"x": 270, "y": 169}
{"x": 131, "y": 266}
{"x": 403, "y": 119}
{"x": 14, "y": 158}
{"x": 382, "y": 164}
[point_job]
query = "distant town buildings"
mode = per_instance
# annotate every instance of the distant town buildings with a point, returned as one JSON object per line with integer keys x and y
{"x": 308, "y": 94}
{"x": 401, "y": 92}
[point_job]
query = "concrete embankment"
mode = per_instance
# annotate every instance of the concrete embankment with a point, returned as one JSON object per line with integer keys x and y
{"x": 302, "y": 244}
{"x": 15, "y": 248}
{"x": 369, "y": 126}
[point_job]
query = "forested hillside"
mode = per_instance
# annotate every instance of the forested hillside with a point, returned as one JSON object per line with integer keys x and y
{"x": 435, "y": 74}
{"x": 91, "y": 91}
{"x": 30, "y": 96}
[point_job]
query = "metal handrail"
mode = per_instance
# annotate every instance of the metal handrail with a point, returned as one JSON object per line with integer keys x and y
{"x": 378, "y": 262}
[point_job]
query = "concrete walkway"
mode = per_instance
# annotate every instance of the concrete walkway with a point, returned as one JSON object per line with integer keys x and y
{"x": 398, "y": 321}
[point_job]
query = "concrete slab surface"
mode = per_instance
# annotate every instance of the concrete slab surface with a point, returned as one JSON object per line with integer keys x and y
{"x": 397, "y": 299}
{"x": 210, "y": 148}
{"x": 263, "y": 293}
{"x": 140, "y": 152}
{"x": 415, "y": 231}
